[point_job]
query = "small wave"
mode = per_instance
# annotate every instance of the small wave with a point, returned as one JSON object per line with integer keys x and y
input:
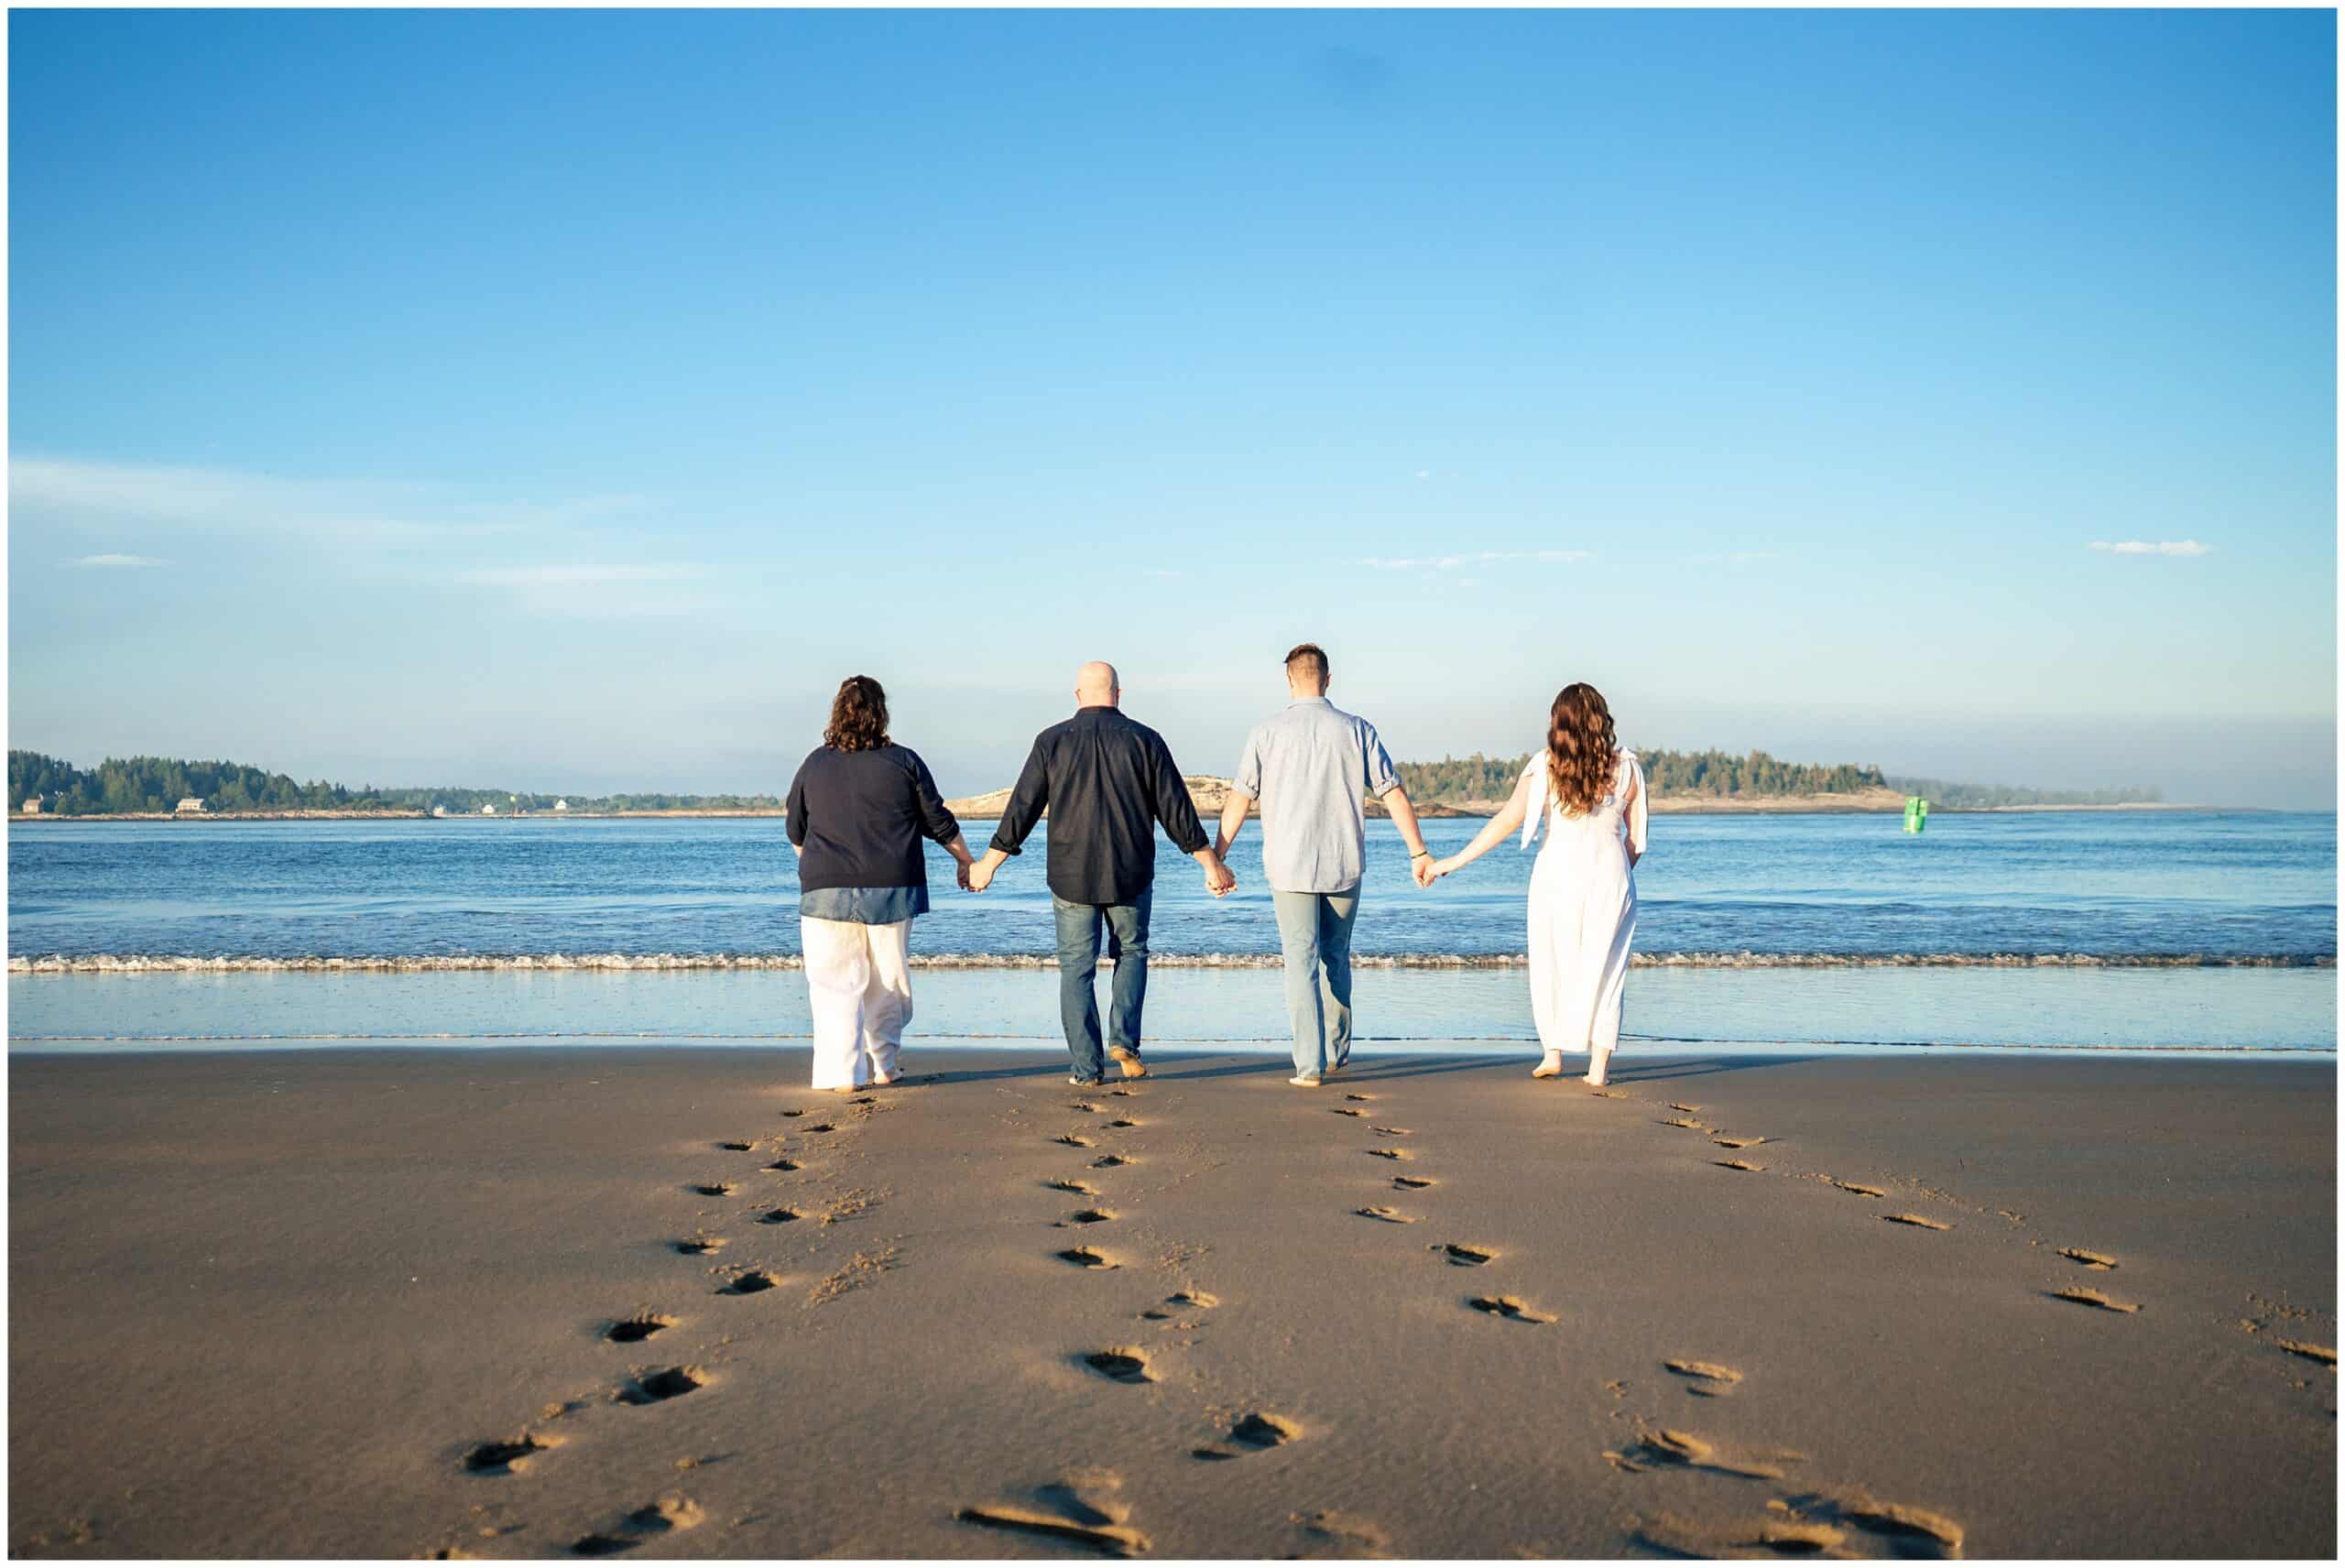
{"x": 563, "y": 963}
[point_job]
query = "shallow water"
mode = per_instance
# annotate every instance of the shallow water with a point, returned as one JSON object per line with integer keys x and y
{"x": 2134, "y": 931}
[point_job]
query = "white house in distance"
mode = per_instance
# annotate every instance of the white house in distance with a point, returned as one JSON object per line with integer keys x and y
{"x": 488, "y": 807}
{"x": 561, "y": 805}
{"x": 32, "y": 806}
{"x": 438, "y": 810}
{"x": 191, "y": 807}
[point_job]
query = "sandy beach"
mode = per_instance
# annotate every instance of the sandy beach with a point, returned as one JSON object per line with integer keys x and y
{"x": 362, "y": 1303}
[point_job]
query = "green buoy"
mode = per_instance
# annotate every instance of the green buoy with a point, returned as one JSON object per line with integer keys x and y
{"x": 1917, "y": 814}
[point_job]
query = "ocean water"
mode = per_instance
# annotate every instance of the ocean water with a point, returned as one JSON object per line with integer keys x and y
{"x": 2135, "y": 930}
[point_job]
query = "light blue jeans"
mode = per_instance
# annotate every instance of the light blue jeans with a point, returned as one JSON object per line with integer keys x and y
{"x": 1315, "y": 934}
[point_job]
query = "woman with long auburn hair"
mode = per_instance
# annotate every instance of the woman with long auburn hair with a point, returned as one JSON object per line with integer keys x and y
{"x": 858, "y": 809}
{"x": 1589, "y": 795}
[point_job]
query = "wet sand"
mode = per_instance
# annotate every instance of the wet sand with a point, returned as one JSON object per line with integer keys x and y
{"x": 359, "y": 1302}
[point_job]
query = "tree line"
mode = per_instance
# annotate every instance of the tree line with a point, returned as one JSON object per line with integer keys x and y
{"x": 1718, "y": 774}
{"x": 160, "y": 783}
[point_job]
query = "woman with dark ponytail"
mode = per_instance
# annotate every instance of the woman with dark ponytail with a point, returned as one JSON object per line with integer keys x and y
{"x": 1589, "y": 796}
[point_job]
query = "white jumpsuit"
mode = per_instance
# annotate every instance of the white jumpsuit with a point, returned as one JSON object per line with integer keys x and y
{"x": 1583, "y": 910}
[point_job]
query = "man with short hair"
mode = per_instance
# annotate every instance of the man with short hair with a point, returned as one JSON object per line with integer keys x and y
{"x": 1313, "y": 768}
{"x": 1106, "y": 781}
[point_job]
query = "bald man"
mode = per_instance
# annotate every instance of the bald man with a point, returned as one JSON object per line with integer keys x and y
{"x": 1108, "y": 782}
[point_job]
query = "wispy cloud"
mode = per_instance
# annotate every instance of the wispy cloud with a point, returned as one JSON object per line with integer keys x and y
{"x": 118, "y": 560}
{"x": 2143, "y": 547}
{"x": 346, "y": 511}
{"x": 1476, "y": 558}
{"x": 571, "y": 576}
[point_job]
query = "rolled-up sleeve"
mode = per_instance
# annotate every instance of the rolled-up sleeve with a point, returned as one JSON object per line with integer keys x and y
{"x": 1027, "y": 804}
{"x": 1382, "y": 778}
{"x": 937, "y": 820}
{"x": 1249, "y": 767}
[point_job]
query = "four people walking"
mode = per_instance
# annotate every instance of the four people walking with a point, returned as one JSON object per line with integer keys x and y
{"x": 861, "y": 804}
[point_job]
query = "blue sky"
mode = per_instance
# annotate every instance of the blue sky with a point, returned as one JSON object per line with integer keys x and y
{"x": 570, "y": 401}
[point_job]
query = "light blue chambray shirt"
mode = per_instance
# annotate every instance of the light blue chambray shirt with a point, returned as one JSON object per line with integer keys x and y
{"x": 1311, "y": 769}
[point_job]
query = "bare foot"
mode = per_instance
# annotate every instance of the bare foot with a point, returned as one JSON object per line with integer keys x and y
{"x": 1596, "y": 1066}
{"x": 1552, "y": 1067}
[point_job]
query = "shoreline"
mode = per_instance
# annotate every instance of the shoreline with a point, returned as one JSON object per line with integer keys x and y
{"x": 1542, "y": 1321}
{"x": 1662, "y": 806}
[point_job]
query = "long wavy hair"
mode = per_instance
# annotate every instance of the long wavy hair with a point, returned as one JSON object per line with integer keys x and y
{"x": 859, "y": 715}
{"x": 1582, "y": 754}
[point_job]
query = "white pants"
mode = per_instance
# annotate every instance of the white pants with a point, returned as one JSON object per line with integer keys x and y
{"x": 859, "y": 981}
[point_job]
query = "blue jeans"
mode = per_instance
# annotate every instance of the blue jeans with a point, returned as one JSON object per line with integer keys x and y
{"x": 1078, "y": 965}
{"x": 1316, "y": 935}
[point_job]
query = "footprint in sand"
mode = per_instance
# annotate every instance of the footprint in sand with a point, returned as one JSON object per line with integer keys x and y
{"x": 793, "y": 1113}
{"x": 735, "y": 1148}
{"x": 646, "y": 1523}
{"x": 1086, "y": 1188}
{"x": 2092, "y": 1260}
{"x": 1709, "y": 1380}
{"x": 657, "y": 1387}
{"x": 699, "y": 1246}
{"x": 1350, "y": 1537}
{"x": 1688, "y": 1124}
{"x": 1090, "y": 1216}
{"x": 2327, "y": 1355}
{"x": 1736, "y": 1165}
{"x": 1390, "y": 1132}
{"x": 1903, "y": 1530}
{"x": 1462, "y": 1256}
{"x": 1072, "y": 1141}
{"x": 748, "y": 1282}
{"x": 1123, "y": 1124}
{"x": 778, "y": 1216}
{"x": 1110, "y": 1162}
{"x": 1812, "y": 1527}
{"x": 1607, "y": 1094}
{"x": 1740, "y": 1142}
{"x": 1859, "y": 1188}
{"x": 1666, "y": 1447}
{"x": 1389, "y": 1216}
{"x": 508, "y": 1456}
{"x": 1083, "y": 1106}
{"x": 1083, "y": 1258}
{"x": 639, "y": 1328}
{"x": 1920, "y": 1221}
{"x": 784, "y": 1166}
{"x": 1512, "y": 1308}
{"x": 1253, "y": 1432}
{"x": 1689, "y": 1110}
{"x": 1073, "y": 1516}
{"x": 712, "y": 1189}
{"x": 1345, "y": 1111}
{"x": 1121, "y": 1364}
{"x": 1196, "y": 1301}
{"x": 1411, "y": 1184}
{"x": 2094, "y": 1299}
{"x": 1391, "y": 1154}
